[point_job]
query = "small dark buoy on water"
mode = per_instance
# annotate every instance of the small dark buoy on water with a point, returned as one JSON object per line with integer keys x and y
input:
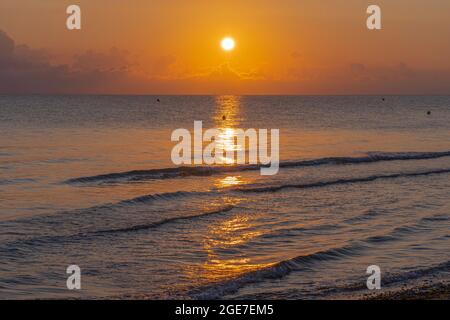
{"x": 224, "y": 118}
{"x": 158, "y": 100}
{"x": 428, "y": 112}
{"x": 383, "y": 99}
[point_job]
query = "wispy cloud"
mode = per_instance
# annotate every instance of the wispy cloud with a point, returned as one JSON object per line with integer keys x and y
{"x": 25, "y": 70}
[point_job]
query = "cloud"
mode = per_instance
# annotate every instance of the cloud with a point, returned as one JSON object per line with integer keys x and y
{"x": 296, "y": 55}
{"x": 357, "y": 68}
{"x": 161, "y": 66}
{"x": 398, "y": 72}
{"x": 224, "y": 73}
{"x": 24, "y": 70}
{"x": 6, "y": 46}
{"x": 114, "y": 60}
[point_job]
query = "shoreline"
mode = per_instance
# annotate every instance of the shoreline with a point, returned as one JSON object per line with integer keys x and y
{"x": 433, "y": 292}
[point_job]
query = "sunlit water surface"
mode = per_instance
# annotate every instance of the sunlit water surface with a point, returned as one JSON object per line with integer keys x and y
{"x": 89, "y": 180}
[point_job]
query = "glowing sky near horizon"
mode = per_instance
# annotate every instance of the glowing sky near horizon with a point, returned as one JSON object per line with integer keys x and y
{"x": 284, "y": 47}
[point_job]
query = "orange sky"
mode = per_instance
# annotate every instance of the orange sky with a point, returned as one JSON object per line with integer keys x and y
{"x": 285, "y": 47}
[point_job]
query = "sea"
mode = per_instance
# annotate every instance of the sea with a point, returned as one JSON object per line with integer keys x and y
{"x": 89, "y": 181}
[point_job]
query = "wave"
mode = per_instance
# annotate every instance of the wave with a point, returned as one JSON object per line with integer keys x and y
{"x": 13, "y": 248}
{"x": 16, "y": 181}
{"x": 342, "y": 181}
{"x": 439, "y": 217}
{"x": 165, "y": 221}
{"x": 159, "y": 196}
{"x": 281, "y": 269}
{"x": 380, "y": 239}
{"x": 168, "y": 173}
{"x": 389, "y": 281}
{"x": 368, "y": 215}
{"x": 146, "y": 199}
{"x": 275, "y": 271}
{"x": 287, "y": 232}
{"x": 397, "y": 233}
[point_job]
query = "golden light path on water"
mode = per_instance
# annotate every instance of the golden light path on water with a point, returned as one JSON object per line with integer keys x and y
{"x": 227, "y": 119}
{"x": 237, "y": 228}
{"x": 222, "y": 236}
{"x": 228, "y": 181}
{"x": 234, "y": 231}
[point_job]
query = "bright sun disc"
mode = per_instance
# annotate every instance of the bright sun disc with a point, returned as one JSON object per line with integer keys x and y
{"x": 227, "y": 44}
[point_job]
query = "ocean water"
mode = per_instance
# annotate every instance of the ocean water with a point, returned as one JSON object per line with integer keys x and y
{"x": 88, "y": 180}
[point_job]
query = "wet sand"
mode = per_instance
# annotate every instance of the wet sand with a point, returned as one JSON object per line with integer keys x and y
{"x": 435, "y": 292}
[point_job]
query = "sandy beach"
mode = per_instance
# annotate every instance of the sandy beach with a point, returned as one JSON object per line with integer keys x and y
{"x": 436, "y": 292}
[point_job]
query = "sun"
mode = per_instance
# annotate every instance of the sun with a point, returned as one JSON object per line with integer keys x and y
{"x": 227, "y": 44}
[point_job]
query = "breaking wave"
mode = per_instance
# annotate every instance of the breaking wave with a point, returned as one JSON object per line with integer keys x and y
{"x": 342, "y": 181}
{"x": 168, "y": 173}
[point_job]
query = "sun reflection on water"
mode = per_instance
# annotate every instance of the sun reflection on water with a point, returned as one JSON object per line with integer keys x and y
{"x": 228, "y": 181}
{"x": 218, "y": 244}
{"x": 221, "y": 262}
{"x": 227, "y": 119}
